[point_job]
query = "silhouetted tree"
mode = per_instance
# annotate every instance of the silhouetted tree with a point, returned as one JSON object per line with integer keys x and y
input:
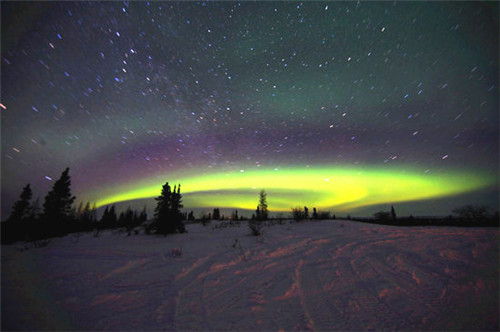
{"x": 216, "y": 214}
{"x": 234, "y": 215}
{"x": 298, "y": 213}
{"x": 306, "y": 212}
{"x": 112, "y": 216}
{"x": 86, "y": 217}
{"x": 315, "y": 214}
{"x": 34, "y": 210}
{"x": 143, "y": 217}
{"x": 206, "y": 219}
{"x": 128, "y": 219}
{"x": 105, "y": 217}
{"x": 58, "y": 205}
{"x": 393, "y": 213}
{"x": 255, "y": 227}
{"x": 21, "y": 209}
{"x": 19, "y": 225}
{"x": 78, "y": 211}
{"x": 190, "y": 216}
{"x": 262, "y": 212}
{"x": 168, "y": 217}
{"x": 472, "y": 212}
{"x": 108, "y": 219}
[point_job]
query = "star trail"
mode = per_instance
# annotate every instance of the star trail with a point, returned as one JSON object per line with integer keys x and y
{"x": 340, "y": 105}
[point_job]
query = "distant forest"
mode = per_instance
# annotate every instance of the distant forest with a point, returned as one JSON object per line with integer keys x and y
{"x": 59, "y": 216}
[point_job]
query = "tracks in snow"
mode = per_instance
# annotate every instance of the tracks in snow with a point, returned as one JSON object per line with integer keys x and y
{"x": 309, "y": 276}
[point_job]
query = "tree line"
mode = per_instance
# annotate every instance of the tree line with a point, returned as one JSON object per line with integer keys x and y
{"x": 58, "y": 216}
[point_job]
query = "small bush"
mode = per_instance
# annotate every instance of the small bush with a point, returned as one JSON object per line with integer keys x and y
{"x": 472, "y": 212}
{"x": 298, "y": 214}
{"x": 205, "y": 221}
{"x": 255, "y": 227}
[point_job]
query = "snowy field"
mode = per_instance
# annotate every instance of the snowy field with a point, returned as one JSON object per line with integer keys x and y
{"x": 325, "y": 275}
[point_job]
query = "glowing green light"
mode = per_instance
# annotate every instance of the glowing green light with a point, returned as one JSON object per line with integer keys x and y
{"x": 322, "y": 187}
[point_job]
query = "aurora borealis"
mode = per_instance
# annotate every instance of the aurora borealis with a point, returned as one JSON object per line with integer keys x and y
{"x": 324, "y": 188}
{"x": 338, "y": 105}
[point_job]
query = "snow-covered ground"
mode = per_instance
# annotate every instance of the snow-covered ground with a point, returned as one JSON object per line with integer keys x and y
{"x": 325, "y": 275}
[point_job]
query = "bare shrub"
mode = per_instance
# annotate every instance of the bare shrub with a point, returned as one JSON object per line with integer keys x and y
{"x": 255, "y": 227}
{"x": 472, "y": 212}
{"x": 298, "y": 214}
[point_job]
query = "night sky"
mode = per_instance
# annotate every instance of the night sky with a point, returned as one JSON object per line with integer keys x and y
{"x": 340, "y": 105}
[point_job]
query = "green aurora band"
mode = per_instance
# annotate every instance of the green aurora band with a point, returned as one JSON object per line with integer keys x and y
{"x": 321, "y": 187}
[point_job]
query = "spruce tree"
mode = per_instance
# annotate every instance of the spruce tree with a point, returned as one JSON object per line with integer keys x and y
{"x": 393, "y": 213}
{"x": 168, "y": 217}
{"x": 216, "y": 214}
{"x": 315, "y": 214}
{"x": 22, "y": 209}
{"x": 34, "y": 210}
{"x": 57, "y": 205}
{"x": 105, "y": 218}
{"x": 143, "y": 217}
{"x": 262, "y": 212}
{"x": 112, "y": 219}
{"x": 16, "y": 228}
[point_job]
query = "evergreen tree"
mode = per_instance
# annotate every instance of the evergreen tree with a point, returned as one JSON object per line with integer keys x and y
{"x": 93, "y": 214}
{"x": 17, "y": 226}
{"x": 216, "y": 214}
{"x": 168, "y": 217}
{"x": 57, "y": 205}
{"x": 112, "y": 219}
{"x": 79, "y": 209}
{"x": 22, "y": 209}
{"x": 105, "y": 218}
{"x": 84, "y": 215}
{"x": 262, "y": 212}
{"x": 120, "y": 220}
{"x": 143, "y": 217}
{"x": 127, "y": 219}
{"x": 315, "y": 213}
{"x": 34, "y": 210}
{"x": 393, "y": 213}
